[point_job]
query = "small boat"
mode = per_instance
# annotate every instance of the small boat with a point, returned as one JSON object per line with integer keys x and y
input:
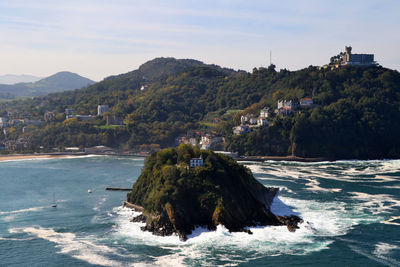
{"x": 89, "y": 191}
{"x": 54, "y": 205}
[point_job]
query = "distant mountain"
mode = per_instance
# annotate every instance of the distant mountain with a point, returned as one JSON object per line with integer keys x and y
{"x": 13, "y": 79}
{"x": 59, "y": 82}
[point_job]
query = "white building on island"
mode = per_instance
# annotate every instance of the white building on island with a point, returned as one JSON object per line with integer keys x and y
{"x": 196, "y": 162}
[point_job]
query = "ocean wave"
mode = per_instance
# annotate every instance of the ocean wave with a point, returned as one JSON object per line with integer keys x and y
{"x": 79, "y": 248}
{"x": 22, "y": 210}
{"x": 377, "y": 203}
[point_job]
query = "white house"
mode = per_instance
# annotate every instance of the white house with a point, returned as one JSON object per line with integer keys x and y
{"x": 306, "y": 102}
{"x": 241, "y": 129}
{"x": 101, "y": 109}
{"x": 264, "y": 113}
{"x": 196, "y": 162}
{"x": 253, "y": 121}
{"x": 246, "y": 118}
{"x": 287, "y": 104}
{"x": 262, "y": 122}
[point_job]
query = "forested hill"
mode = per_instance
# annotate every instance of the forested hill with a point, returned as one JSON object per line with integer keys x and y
{"x": 356, "y": 112}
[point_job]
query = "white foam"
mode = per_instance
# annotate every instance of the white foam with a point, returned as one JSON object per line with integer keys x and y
{"x": 376, "y": 204}
{"x": 392, "y": 220}
{"x": 313, "y": 185}
{"x": 384, "y": 249}
{"x": 70, "y": 244}
{"x": 21, "y": 210}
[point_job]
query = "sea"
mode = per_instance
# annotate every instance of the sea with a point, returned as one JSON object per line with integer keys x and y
{"x": 351, "y": 213}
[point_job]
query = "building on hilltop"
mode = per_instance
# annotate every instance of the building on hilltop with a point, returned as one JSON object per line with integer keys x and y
{"x": 357, "y": 59}
{"x": 101, "y": 109}
{"x": 348, "y": 59}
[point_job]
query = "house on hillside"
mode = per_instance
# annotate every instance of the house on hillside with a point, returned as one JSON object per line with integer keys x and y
{"x": 244, "y": 119}
{"x": 241, "y": 129}
{"x": 101, "y": 109}
{"x": 306, "y": 102}
{"x": 210, "y": 141}
{"x": 262, "y": 122}
{"x": 284, "y": 111}
{"x": 287, "y": 103}
{"x": 3, "y": 122}
{"x": 264, "y": 113}
{"x": 253, "y": 121}
{"x": 81, "y": 117}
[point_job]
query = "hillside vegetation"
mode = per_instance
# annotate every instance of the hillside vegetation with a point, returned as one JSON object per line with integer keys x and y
{"x": 357, "y": 111}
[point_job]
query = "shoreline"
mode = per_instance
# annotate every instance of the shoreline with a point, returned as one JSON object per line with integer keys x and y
{"x": 60, "y": 155}
{"x": 6, "y": 157}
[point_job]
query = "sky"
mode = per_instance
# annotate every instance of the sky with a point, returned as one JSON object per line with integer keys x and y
{"x": 99, "y": 38}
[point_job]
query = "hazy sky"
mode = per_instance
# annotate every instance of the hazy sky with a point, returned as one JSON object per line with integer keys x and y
{"x": 98, "y": 38}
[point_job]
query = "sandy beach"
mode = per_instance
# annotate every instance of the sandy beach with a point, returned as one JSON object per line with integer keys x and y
{"x": 31, "y": 156}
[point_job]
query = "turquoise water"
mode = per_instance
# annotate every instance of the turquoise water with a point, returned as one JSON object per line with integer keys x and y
{"x": 351, "y": 211}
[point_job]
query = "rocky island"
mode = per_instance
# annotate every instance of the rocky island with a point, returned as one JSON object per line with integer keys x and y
{"x": 184, "y": 187}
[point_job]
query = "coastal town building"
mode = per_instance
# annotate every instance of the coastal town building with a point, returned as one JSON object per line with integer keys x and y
{"x": 284, "y": 111}
{"x": 3, "y": 122}
{"x": 19, "y": 144}
{"x": 210, "y": 141}
{"x": 99, "y": 150}
{"x": 264, "y": 113}
{"x": 246, "y": 118}
{"x": 101, "y": 109}
{"x": 69, "y": 111}
{"x": 306, "y": 102}
{"x": 82, "y": 117}
{"x": 253, "y": 121}
{"x": 196, "y": 162}
{"x": 241, "y": 129}
{"x": 287, "y": 104}
{"x": 262, "y": 122}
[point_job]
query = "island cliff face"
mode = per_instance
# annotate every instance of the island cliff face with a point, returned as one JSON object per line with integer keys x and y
{"x": 176, "y": 198}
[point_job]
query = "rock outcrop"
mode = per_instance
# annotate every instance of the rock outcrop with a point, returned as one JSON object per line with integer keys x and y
{"x": 176, "y": 198}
